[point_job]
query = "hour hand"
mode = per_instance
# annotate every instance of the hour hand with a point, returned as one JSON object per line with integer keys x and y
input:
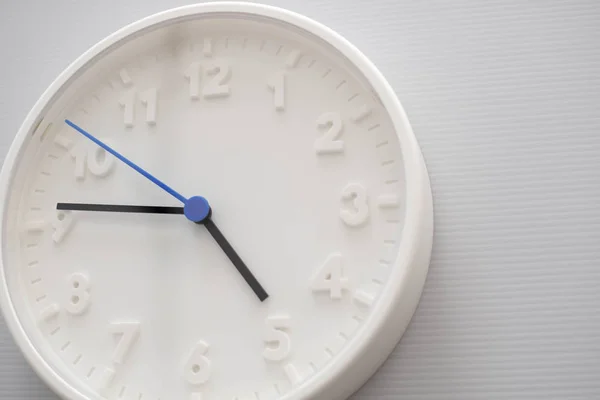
{"x": 120, "y": 208}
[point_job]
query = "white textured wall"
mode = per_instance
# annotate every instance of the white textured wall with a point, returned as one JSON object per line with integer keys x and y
{"x": 504, "y": 97}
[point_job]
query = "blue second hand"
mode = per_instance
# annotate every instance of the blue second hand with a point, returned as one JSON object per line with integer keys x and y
{"x": 139, "y": 169}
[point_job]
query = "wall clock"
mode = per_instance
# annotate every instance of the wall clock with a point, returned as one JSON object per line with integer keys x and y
{"x": 222, "y": 201}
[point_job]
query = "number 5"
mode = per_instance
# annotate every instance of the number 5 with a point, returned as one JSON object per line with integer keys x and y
{"x": 275, "y": 334}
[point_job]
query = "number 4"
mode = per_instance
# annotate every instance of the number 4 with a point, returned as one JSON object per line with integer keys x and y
{"x": 330, "y": 277}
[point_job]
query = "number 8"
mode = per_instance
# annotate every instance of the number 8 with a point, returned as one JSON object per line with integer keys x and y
{"x": 80, "y": 293}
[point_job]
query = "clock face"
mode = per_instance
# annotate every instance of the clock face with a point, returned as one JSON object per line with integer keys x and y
{"x": 303, "y": 168}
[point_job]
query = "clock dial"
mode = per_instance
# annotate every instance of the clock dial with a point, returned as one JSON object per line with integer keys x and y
{"x": 305, "y": 175}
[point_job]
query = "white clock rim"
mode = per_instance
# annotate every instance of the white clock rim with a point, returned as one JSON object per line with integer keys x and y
{"x": 399, "y": 301}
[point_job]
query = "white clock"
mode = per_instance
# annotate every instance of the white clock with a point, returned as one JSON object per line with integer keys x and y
{"x": 222, "y": 201}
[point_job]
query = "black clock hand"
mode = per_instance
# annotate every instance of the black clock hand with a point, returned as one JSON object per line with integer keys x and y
{"x": 210, "y": 225}
{"x": 234, "y": 258}
{"x": 119, "y": 208}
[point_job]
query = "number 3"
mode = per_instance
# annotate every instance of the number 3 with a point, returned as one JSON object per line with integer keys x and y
{"x": 358, "y": 194}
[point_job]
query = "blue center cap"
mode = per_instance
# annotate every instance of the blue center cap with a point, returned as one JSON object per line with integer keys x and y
{"x": 196, "y": 209}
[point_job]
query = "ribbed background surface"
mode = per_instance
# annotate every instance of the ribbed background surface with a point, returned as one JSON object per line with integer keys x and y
{"x": 504, "y": 97}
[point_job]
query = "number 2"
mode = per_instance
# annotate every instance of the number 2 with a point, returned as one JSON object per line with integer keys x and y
{"x": 328, "y": 143}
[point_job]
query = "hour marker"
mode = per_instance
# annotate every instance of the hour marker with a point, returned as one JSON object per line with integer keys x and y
{"x": 363, "y": 112}
{"x": 268, "y": 394}
{"x": 388, "y": 201}
{"x": 349, "y": 326}
{"x": 207, "y": 50}
{"x": 292, "y": 374}
{"x": 373, "y": 127}
{"x": 49, "y": 312}
{"x": 125, "y": 78}
{"x": 45, "y": 132}
{"x": 364, "y": 298}
{"x": 328, "y": 352}
{"x": 35, "y": 226}
{"x": 336, "y": 344}
{"x": 63, "y": 142}
{"x": 292, "y": 59}
{"x": 106, "y": 378}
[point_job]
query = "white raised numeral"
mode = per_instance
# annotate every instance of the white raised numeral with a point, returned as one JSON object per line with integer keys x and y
{"x": 79, "y": 288}
{"x": 277, "y": 85}
{"x": 129, "y": 332}
{"x": 127, "y": 102}
{"x": 62, "y": 221}
{"x": 219, "y": 73}
{"x": 328, "y": 143}
{"x": 148, "y": 98}
{"x": 360, "y": 213}
{"x": 197, "y": 368}
{"x": 193, "y": 75}
{"x": 278, "y": 342}
{"x": 94, "y": 159}
{"x": 330, "y": 277}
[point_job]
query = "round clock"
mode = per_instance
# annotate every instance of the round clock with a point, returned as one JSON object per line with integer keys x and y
{"x": 222, "y": 201}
